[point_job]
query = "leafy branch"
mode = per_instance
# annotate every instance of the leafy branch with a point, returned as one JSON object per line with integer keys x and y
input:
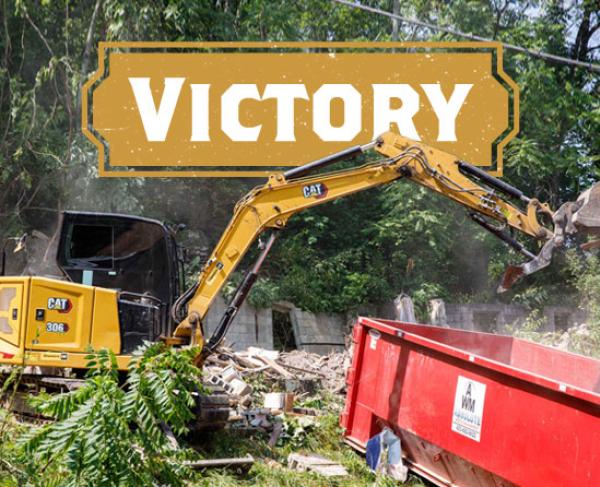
{"x": 110, "y": 432}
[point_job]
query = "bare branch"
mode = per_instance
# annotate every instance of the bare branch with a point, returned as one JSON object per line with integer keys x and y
{"x": 89, "y": 39}
{"x": 38, "y": 31}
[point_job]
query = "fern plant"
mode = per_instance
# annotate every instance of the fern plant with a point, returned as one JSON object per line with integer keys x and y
{"x": 113, "y": 433}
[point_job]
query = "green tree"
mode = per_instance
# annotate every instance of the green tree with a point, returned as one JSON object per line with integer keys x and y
{"x": 109, "y": 434}
{"x": 360, "y": 251}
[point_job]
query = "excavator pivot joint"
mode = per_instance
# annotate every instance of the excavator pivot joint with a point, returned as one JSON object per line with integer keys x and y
{"x": 406, "y": 171}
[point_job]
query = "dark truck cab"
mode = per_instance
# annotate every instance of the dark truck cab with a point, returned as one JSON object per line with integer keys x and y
{"x": 136, "y": 256}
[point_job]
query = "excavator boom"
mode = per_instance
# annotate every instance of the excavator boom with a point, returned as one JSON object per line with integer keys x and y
{"x": 283, "y": 195}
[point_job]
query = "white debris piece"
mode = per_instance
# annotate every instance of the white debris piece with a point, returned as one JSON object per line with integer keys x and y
{"x": 405, "y": 310}
{"x": 316, "y": 463}
{"x": 437, "y": 312}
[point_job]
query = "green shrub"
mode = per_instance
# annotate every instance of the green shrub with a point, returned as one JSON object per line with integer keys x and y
{"x": 113, "y": 433}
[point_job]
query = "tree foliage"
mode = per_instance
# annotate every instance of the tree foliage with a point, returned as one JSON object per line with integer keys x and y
{"x": 360, "y": 251}
{"x": 106, "y": 433}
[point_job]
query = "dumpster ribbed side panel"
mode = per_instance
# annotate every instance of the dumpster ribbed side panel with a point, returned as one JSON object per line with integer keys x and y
{"x": 464, "y": 419}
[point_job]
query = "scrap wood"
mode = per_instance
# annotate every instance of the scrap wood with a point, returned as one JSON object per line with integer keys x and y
{"x": 317, "y": 464}
{"x": 217, "y": 361}
{"x": 246, "y": 461}
{"x": 245, "y": 362}
{"x": 249, "y": 362}
{"x": 238, "y": 357}
{"x": 269, "y": 358}
{"x": 261, "y": 352}
{"x": 301, "y": 369}
{"x": 254, "y": 371}
{"x": 304, "y": 411}
{"x": 275, "y": 434}
{"x": 594, "y": 244}
{"x": 272, "y": 463}
{"x": 243, "y": 370}
{"x": 275, "y": 366}
{"x": 170, "y": 435}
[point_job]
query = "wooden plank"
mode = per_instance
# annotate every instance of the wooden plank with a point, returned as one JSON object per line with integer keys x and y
{"x": 221, "y": 462}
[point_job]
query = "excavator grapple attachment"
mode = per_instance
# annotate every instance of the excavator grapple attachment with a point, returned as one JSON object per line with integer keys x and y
{"x": 587, "y": 217}
{"x": 580, "y": 217}
{"x": 514, "y": 273}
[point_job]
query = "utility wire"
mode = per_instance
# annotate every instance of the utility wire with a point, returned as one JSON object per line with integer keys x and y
{"x": 539, "y": 54}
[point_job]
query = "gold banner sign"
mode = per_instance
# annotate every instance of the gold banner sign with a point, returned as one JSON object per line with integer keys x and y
{"x": 249, "y": 109}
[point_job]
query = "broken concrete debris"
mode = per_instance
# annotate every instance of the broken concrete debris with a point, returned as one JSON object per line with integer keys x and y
{"x": 280, "y": 393}
{"x": 230, "y": 380}
{"x": 405, "y": 310}
{"x": 278, "y": 400}
{"x": 317, "y": 464}
{"x": 437, "y": 312}
{"x": 257, "y": 418}
{"x": 266, "y": 387}
{"x": 297, "y": 371}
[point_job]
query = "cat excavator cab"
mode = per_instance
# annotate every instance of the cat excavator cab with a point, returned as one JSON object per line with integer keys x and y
{"x": 137, "y": 256}
{"x": 119, "y": 277}
{"x": 121, "y": 281}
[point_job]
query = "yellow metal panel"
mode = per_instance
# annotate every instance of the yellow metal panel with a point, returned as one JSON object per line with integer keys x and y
{"x": 10, "y": 355}
{"x": 105, "y": 321}
{"x": 13, "y": 291}
{"x": 59, "y": 315}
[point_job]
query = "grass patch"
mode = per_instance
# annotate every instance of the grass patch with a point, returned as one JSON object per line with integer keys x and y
{"x": 71, "y": 450}
{"x": 324, "y": 438}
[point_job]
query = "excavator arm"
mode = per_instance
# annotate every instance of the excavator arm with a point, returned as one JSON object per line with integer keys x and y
{"x": 468, "y": 185}
{"x": 284, "y": 194}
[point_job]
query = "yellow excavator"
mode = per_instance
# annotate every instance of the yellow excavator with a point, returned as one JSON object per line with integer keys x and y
{"x": 121, "y": 276}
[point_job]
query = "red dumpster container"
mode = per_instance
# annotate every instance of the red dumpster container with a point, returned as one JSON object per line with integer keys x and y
{"x": 475, "y": 408}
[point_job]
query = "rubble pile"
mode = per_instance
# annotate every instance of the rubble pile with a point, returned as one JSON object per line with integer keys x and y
{"x": 282, "y": 394}
{"x": 298, "y": 372}
{"x": 583, "y": 339}
{"x": 330, "y": 370}
{"x": 567, "y": 339}
{"x": 264, "y": 384}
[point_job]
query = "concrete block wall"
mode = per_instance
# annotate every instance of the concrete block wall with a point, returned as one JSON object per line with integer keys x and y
{"x": 250, "y": 327}
{"x": 325, "y": 332}
{"x": 560, "y": 318}
{"x": 497, "y": 317}
{"x": 485, "y": 316}
{"x": 318, "y": 333}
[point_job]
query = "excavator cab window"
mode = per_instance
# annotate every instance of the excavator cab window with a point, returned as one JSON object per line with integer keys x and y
{"x": 136, "y": 256}
{"x": 92, "y": 245}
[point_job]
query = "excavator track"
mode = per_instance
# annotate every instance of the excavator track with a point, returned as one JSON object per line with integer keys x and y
{"x": 213, "y": 407}
{"x": 15, "y": 399}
